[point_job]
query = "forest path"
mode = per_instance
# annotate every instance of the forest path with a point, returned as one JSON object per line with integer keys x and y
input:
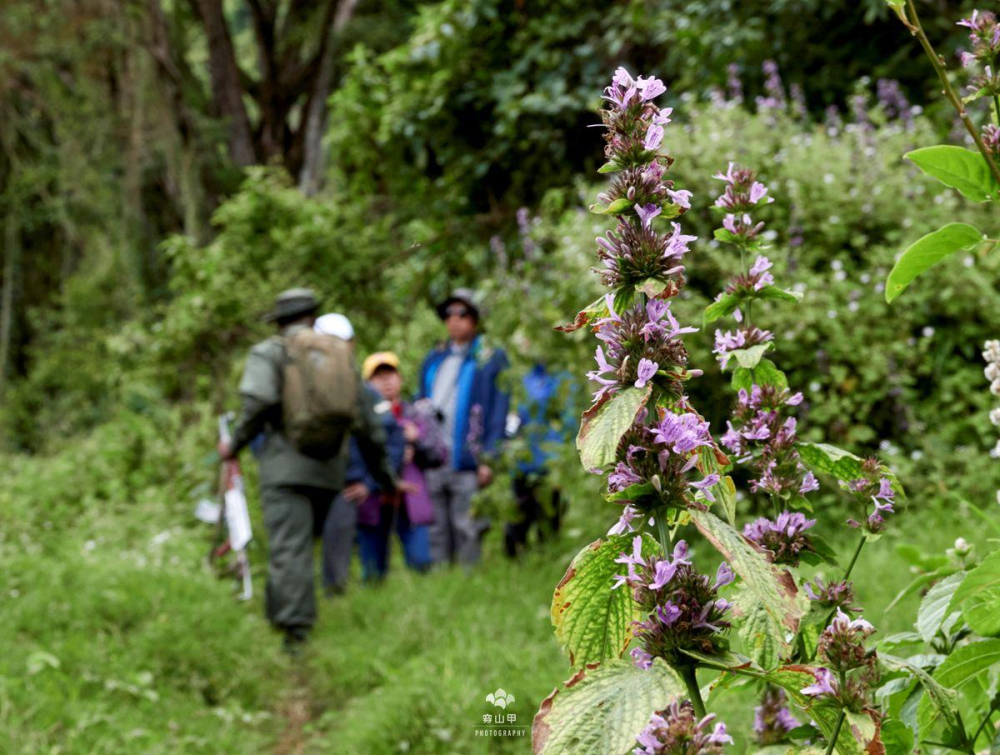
{"x": 296, "y": 710}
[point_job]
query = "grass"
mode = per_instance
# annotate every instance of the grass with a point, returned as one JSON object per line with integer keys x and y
{"x": 115, "y": 639}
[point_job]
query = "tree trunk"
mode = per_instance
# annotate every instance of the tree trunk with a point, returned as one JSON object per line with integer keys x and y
{"x": 227, "y": 87}
{"x": 311, "y": 175}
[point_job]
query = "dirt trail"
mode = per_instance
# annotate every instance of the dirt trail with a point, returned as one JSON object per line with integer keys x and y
{"x": 296, "y": 712}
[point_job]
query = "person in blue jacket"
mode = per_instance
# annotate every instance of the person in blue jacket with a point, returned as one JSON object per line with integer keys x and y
{"x": 460, "y": 377}
{"x": 545, "y": 417}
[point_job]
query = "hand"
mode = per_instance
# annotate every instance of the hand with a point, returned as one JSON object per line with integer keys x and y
{"x": 484, "y": 475}
{"x": 405, "y": 486}
{"x": 225, "y": 450}
{"x": 356, "y": 492}
{"x": 410, "y": 431}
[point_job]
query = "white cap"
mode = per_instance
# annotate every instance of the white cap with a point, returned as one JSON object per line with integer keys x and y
{"x": 335, "y": 324}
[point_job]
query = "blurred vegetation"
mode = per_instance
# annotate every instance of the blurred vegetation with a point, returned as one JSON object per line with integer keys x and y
{"x": 144, "y": 234}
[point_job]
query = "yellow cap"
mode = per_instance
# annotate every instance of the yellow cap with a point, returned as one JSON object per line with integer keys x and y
{"x": 379, "y": 359}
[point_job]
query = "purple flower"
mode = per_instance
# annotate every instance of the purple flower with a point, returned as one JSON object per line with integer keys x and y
{"x": 654, "y": 136}
{"x": 783, "y": 537}
{"x": 668, "y": 613}
{"x": 650, "y": 88}
{"x": 760, "y": 273}
{"x": 677, "y": 730}
{"x": 636, "y": 558}
{"x": 641, "y": 658}
{"x": 624, "y": 524}
{"x": 825, "y": 684}
{"x": 809, "y": 483}
{"x": 681, "y": 198}
{"x": 705, "y": 486}
{"x": 647, "y": 213}
{"x": 646, "y": 372}
{"x": 724, "y": 576}
{"x": 662, "y": 574}
{"x": 772, "y": 720}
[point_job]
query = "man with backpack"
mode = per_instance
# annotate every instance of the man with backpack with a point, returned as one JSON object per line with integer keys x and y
{"x": 302, "y": 390}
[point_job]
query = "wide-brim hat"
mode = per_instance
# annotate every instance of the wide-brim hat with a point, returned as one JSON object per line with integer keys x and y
{"x": 294, "y": 301}
{"x": 464, "y": 296}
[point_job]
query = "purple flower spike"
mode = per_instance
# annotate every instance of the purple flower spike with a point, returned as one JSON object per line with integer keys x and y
{"x": 654, "y": 137}
{"x": 668, "y": 613}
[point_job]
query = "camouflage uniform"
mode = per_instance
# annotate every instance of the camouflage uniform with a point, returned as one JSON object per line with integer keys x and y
{"x": 296, "y": 489}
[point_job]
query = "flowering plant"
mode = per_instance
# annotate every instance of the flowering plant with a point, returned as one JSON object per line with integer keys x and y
{"x": 975, "y": 174}
{"x": 644, "y": 626}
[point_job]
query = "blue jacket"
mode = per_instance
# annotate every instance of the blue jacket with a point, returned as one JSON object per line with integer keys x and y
{"x": 395, "y": 445}
{"x": 540, "y": 421}
{"x": 477, "y": 386}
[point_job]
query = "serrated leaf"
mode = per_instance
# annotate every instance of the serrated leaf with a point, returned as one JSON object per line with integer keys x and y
{"x": 926, "y": 252}
{"x": 749, "y": 358}
{"x": 773, "y": 587}
{"x": 594, "y": 311}
{"x": 957, "y": 167}
{"x": 845, "y": 466}
{"x": 964, "y": 671}
{"x": 604, "y": 425}
{"x": 602, "y": 707}
{"x": 592, "y": 621}
{"x": 757, "y": 631}
{"x": 979, "y": 597}
{"x": 934, "y": 607}
{"x": 942, "y": 699}
{"x": 773, "y": 292}
{"x": 724, "y": 305}
{"x": 765, "y": 373}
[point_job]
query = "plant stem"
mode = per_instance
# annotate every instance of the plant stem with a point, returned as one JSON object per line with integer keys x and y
{"x": 664, "y": 533}
{"x": 836, "y": 733}
{"x": 854, "y": 558}
{"x": 949, "y": 91}
{"x": 981, "y": 727}
{"x": 996, "y": 104}
{"x": 688, "y": 673}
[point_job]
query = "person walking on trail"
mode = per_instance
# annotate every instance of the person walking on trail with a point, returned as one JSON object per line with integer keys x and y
{"x": 545, "y": 417}
{"x": 414, "y": 445}
{"x": 460, "y": 379}
{"x": 303, "y": 391}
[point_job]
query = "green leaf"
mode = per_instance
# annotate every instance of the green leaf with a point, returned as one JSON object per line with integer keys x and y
{"x": 979, "y": 597}
{"x": 610, "y": 167}
{"x": 632, "y": 493}
{"x": 773, "y": 292}
{"x": 619, "y": 206}
{"x": 934, "y": 608}
{"x": 725, "y": 491}
{"x": 594, "y": 311}
{"x": 765, "y": 373}
{"x": 757, "y": 631}
{"x": 750, "y": 358}
{"x": 943, "y": 700}
{"x": 592, "y": 621}
{"x": 964, "y": 671}
{"x": 958, "y": 168}
{"x": 845, "y": 466}
{"x": 926, "y": 252}
{"x": 721, "y": 234}
{"x": 774, "y": 588}
{"x": 724, "y": 305}
{"x": 652, "y": 287}
{"x": 604, "y": 425}
{"x": 602, "y": 707}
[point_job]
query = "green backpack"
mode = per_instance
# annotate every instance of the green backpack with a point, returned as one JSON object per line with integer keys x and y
{"x": 320, "y": 392}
